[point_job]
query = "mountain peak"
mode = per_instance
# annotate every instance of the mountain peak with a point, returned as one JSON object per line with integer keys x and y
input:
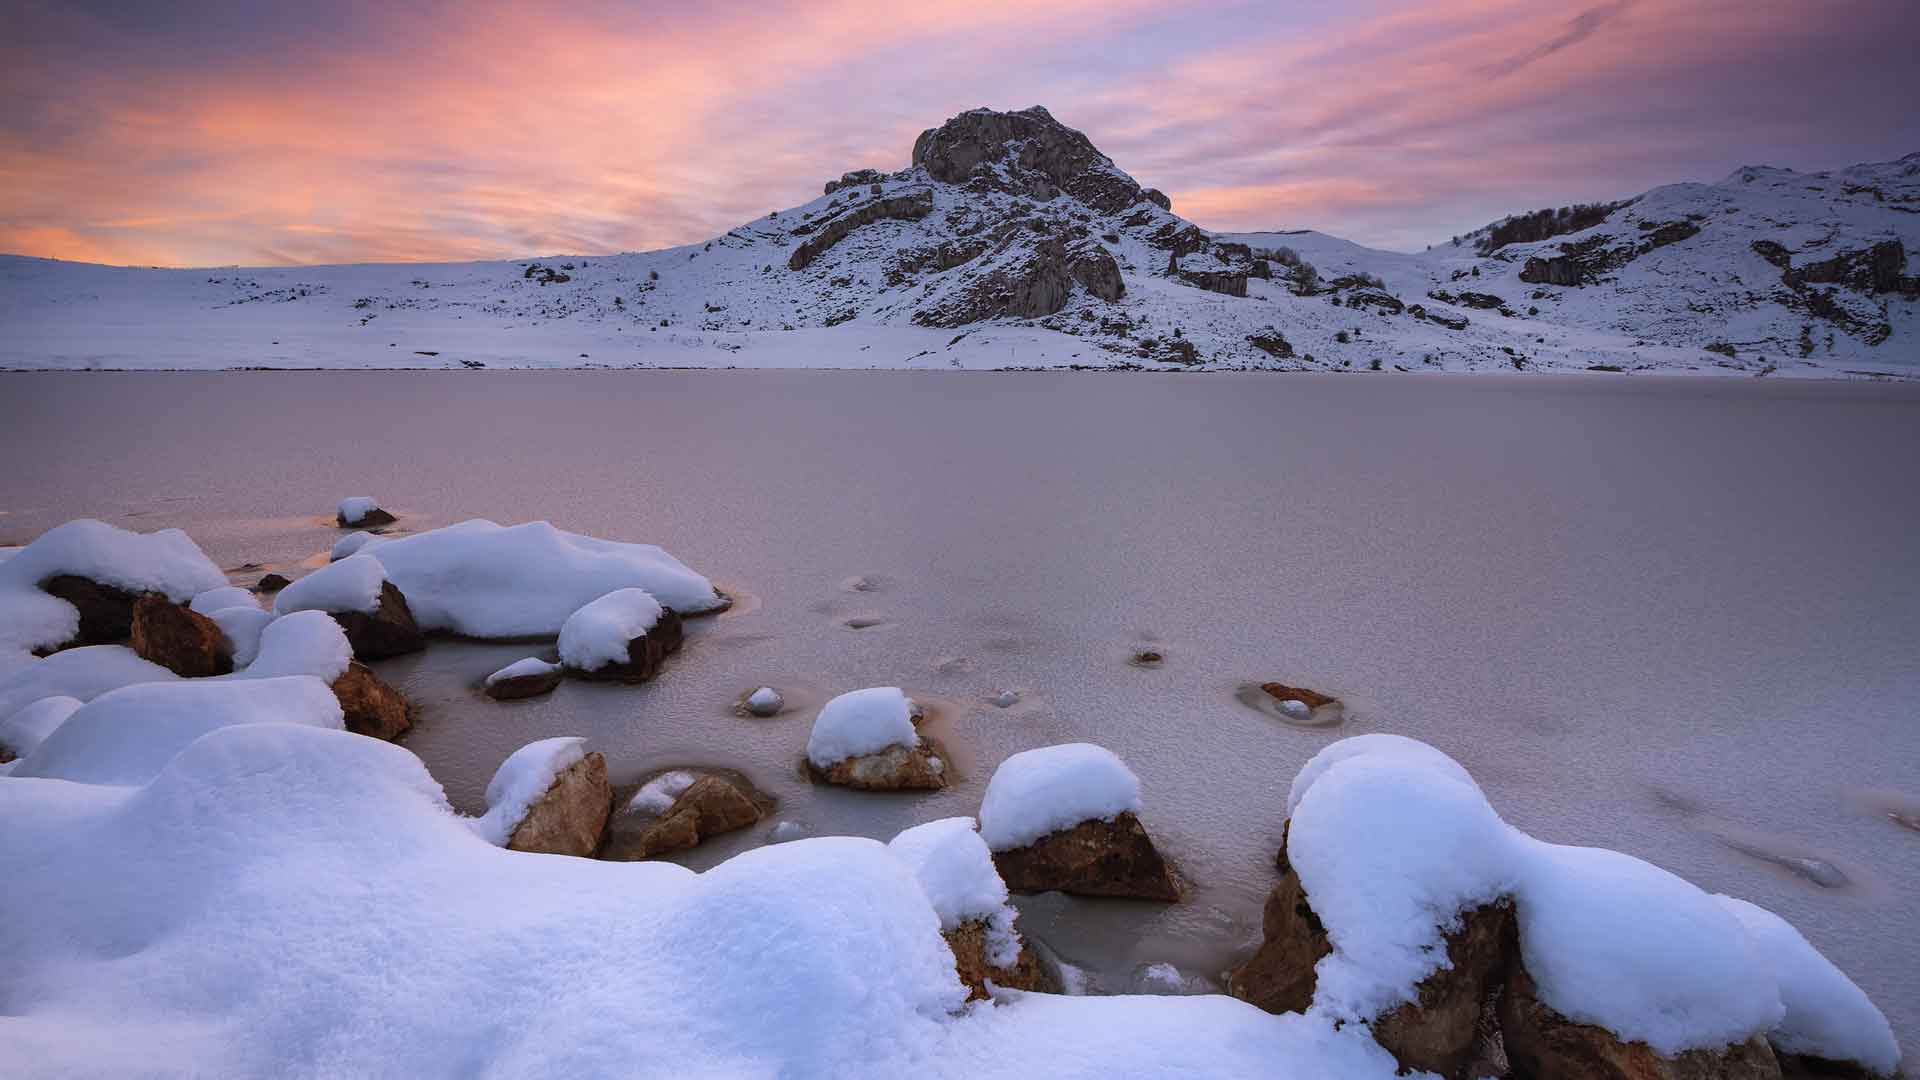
{"x": 1029, "y": 153}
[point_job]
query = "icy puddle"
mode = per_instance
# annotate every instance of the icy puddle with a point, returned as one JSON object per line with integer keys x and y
{"x": 1678, "y": 618}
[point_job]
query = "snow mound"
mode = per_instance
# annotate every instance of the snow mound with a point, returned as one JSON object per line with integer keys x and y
{"x": 127, "y": 736}
{"x": 531, "y": 665}
{"x": 243, "y": 627}
{"x": 1037, "y": 792}
{"x": 484, "y": 580}
{"x": 356, "y": 507}
{"x": 520, "y": 781}
{"x": 352, "y": 584}
{"x": 954, "y": 868}
{"x": 226, "y": 596}
{"x": 1378, "y": 744}
{"x": 349, "y": 544}
{"x": 861, "y": 722}
{"x": 1826, "y": 1014}
{"x": 656, "y": 796}
{"x": 598, "y": 633}
{"x": 83, "y": 673}
{"x": 303, "y": 643}
{"x": 166, "y": 562}
{"x": 28, "y": 727}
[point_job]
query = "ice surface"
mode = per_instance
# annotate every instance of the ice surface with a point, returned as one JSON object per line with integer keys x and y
{"x": 861, "y": 722}
{"x": 30, "y": 725}
{"x": 352, "y": 584}
{"x": 598, "y": 634}
{"x": 165, "y": 562}
{"x": 1036, "y": 792}
{"x": 127, "y": 736}
{"x": 519, "y": 783}
{"x": 355, "y": 507}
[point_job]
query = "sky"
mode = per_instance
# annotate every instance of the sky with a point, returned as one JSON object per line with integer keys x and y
{"x": 144, "y": 132}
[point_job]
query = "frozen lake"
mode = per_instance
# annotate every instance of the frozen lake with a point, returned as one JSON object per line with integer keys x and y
{"x": 1676, "y": 617}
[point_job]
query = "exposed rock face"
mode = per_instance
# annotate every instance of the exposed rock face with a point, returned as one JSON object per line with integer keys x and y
{"x": 1483, "y": 301}
{"x": 854, "y": 179}
{"x": 372, "y": 707}
{"x": 1272, "y": 342}
{"x": 1544, "y": 1045}
{"x": 1877, "y": 269}
{"x": 1094, "y": 858}
{"x": 970, "y": 947}
{"x": 1438, "y": 1031}
{"x": 1225, "y": 282}
{"x": 389, "y": 630}
{"x": 897, "y": 768}
{"x": 1094, "y": 267}
{"x": 571, "y": 818}
{"x": 271, "y": 583}
{"x": 709, "y": 807}
{"x": 179, "y": 639}
{"x": 911, "y": 206}
{"x": 966, "y": 148}
{"x": 1554, "y": 270}
{"x": 1157, "y": 198}
{"x": 106, "y": 612}
{"x": 646, "y": 654}
{"x": 515, "y": 687}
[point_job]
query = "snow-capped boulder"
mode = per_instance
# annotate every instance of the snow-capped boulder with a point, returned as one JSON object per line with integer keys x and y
{"x": 956, "y": 871}
{"x": 1539, "y": 1041}
{"x": 525, "y": 678}
{"x": 361, "y": 511}
{"x": 866, "y": 740}
{"x": 179, "y": 638}
{"x": 706, "y": 807}
{"x": 75, "y": 584}
{"x": 313, "y": 643}
{"x": 356, "y": 591}
{"x": 1065, "y": 817}
{"x": 624, "y": 636}
{"x": 550, "y": 796}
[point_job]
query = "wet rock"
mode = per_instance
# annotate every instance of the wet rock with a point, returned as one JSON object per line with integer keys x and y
{"x": 179, "y": 639}
{"x": 897, "y": 768}
{"x": 709, "y": 807}
{"x": 1094, "y": 858}
{"x": 387, "y": 631}
{"x": 1544, "y": 1045}
{"x": 272, "y": 583}
{"x": 970, "y": 944}
{"x": 571, "y": 818}
{"x": 372, "y": 707}
{"x": 1439, "y": 1031}
{"x": 646, "y": 654}
{"x": 106, "y": 611}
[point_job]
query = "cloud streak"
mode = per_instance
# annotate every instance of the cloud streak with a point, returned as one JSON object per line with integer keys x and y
{"x": 155, "y": 135}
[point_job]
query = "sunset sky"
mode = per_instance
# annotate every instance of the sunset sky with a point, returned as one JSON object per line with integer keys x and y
{"x": 204, "y": 134}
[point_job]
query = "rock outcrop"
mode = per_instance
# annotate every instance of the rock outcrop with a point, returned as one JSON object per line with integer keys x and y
{"x": 972, "y": 947}
{"x": 646, "y": 654}
{"x": 372, "y": 706}
{"x": 910, "y": 206}
{"x": 531, "y": 684}
{"x": 106, "y": 611}
{"x": 1541, "y": 1044}
{"x": 1093, "y": 858}
{"x": 922, "y": 767}
{"x": 571, "y": 818}
{"x": 387, "y": 631}
{"x": 709, "y": 807}
{"x": 178, "y": 638}
{"x": 1028, "y": 153}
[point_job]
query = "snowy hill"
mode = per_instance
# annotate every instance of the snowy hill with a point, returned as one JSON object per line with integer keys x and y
{"x": 1010, "y": 241}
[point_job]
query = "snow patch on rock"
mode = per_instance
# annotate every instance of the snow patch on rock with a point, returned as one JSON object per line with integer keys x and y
{"x": 861, "y": 722}
{"x": 599, "y": 632}
{"x": 1042, "y": 791}
{"x": 520, "y": 781}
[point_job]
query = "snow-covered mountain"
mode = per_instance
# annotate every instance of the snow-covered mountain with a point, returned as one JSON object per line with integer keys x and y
{"x": 1011, "y": 241}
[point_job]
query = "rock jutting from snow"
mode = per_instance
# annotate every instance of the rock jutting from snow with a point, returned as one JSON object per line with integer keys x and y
{"x": 361, "y": 512}
{"x": 708, "y": 807}
{"x": 551, "y": 797}
{"x": 368, "y": 606}
{"x": 624, "y": 636}
{"x": 956, "y": 872}
{"x": 868, "y": 740}
{"x": 371, "y": 706}
{"x": 1066, "y": 818}
{"x": 1540, "y": 1042}
{"x": 526, "y": 678}
{"x": 178, "y": 638}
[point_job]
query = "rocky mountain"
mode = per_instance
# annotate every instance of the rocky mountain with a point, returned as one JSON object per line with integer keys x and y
{"x": 1010, "y": 240}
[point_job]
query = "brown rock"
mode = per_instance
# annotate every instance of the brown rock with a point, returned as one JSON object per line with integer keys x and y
{"x": 571, "y": 818}
{"x": 388, "y": 631}
{"x": 179, "y": 639}
{"x": 897, "y": 768}
{"x": 515, "y": 687}
{"x": 1094, "y": 858}
{"x": 1279, "y": 976}
{"x": 710, "y": 806}
{"x": 1094, "y": 267}
{"x": 969, "y": 944}
{"x": 1224, "y": 282}
{"x": 645, "y": 654}
{"x": 1544, "y": 1045}
{"x": 376, "y": 516}
{"x": 106, "y": 612}
{"x": 272, "y": 583}
{"x": 1157, "y": 198}
{"x": 372, "y": 707}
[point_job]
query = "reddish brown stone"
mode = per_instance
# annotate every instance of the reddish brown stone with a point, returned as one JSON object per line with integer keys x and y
{"x": 272, "y": 583}
{"x": 922, "y": 767}
{"x": 1094, "y": 858}
{"x": 372, "y": 707}
{"x": 571, "y": 818}
{"x": 645, "y": 654}
{"x": 1544, "y": 1045}
{"x": 515, "y": 687}
{"x": 106, "y": 612}
{"x": 710, "y": 806}
{"x": 969, "y": 944}
{"x": 179, "y": 639}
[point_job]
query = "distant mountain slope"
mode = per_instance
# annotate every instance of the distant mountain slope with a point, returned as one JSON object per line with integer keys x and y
{"x": 1011, "y": 241}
